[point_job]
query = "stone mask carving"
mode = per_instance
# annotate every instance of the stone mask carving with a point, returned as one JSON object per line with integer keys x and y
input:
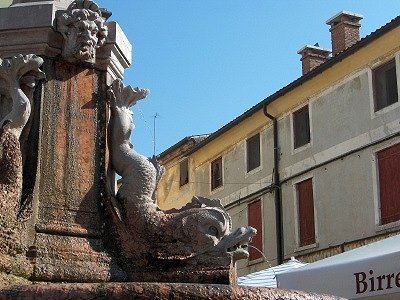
{"x": 83, "y": 27}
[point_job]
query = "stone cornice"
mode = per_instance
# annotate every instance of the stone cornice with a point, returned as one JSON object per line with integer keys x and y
{"x": 29, "y": 28}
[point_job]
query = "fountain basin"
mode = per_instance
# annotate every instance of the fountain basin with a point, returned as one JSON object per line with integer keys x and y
{"x": 151, "y": 291}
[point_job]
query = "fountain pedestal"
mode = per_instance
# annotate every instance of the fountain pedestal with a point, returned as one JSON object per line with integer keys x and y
{"x": 61, "y": 138}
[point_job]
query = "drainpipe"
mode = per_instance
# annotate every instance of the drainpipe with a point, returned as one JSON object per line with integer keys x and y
{"x": 277, "y": 190}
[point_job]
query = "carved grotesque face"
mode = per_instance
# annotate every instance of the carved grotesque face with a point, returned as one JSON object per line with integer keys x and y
{"x": 84, "y": 31}
{"x": 206, "y": 228}
{"x": 81, "y": 40}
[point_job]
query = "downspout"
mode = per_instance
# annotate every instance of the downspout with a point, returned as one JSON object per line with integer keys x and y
{"x": 277, "y": 190}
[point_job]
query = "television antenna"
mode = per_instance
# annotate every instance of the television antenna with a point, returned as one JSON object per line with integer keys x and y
{"x": 154, "y": 133}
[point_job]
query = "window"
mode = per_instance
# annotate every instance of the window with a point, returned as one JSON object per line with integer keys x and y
{"x": 389, "y": 184}
{"x": 253, "y": 152}
{"x": 216, "y": 173}
{"x": 255, "y": 221}
{"x": 306, "y": 212}
{"x": 301, "y": 127}
{"x": 385, "y": 85}
{"x": 183, "y": 172}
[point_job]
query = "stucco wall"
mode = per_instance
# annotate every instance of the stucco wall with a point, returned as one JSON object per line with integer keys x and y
{"x": 237, "y": 183}
{"x": 345, "y": 134}
{"x": 345, "y": 198}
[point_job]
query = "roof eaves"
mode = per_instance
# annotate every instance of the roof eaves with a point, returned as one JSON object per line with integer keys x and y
{"x": 195, "y": 138}
{"x": 329, "y": 63}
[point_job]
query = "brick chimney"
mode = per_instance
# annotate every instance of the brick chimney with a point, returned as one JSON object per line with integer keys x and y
{"x": 312, "y": 57}
{"x": 344, "y": 30}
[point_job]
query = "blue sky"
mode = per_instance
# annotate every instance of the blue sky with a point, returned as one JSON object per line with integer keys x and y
{"x": 206, "y": 62}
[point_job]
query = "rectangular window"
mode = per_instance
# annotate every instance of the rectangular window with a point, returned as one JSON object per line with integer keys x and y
{"x": 216, "y": 173}
{"x": 255, "y": 220}
{"x": 389, "y": 184}
{"x": 183, "y": 172}
{"x": 385, "y": 85}
{"x": 253, "y": 152}
{"x": 301, "y": 127}
{"x": 306, "y": 212}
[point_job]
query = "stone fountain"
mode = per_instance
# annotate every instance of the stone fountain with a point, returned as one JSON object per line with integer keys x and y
{"x": 65, "y": 127}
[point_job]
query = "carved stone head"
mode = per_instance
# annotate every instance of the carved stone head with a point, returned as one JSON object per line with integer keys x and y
{"x": 83, "y": 28}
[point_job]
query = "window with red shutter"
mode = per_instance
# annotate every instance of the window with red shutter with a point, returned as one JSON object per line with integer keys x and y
{"x": 306, "y": 212}
{"x": 389, "y": 184}
{"x": 255, "y": 220}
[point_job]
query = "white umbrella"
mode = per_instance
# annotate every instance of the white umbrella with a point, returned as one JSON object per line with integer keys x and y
{"x": 371, "y": 270}
{"x": 267, "y": 277}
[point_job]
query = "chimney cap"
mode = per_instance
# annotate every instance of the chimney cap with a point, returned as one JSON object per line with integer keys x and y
{"x": 337, "y": 18}
{"x": 316, "y": 49}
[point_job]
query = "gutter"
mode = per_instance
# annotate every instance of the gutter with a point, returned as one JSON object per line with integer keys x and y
{"x": 277, "y": 190}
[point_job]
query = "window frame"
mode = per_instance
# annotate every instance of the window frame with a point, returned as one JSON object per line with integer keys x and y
{"x": 212, "y": 179}
{"x": 387, "y": 65}
{"x": 256, "y": 136}
{"x": 254, "y": 255}
{"x": 185, "y": 163}
{"x": 378, "y": 215}
{"x": 294, "y": 128}
{"x": 299, "y": 246}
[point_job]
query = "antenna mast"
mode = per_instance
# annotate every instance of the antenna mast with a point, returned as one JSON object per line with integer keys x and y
{"x": 154, "y": 133}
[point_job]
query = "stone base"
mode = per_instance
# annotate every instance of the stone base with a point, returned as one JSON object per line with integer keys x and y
{"x": 151, "y": 291}
{"x": 73, "y": 259}
{"x": 8, "y": 280}
{"x": 17, "y": 266}
{"x": 188, "y": 275}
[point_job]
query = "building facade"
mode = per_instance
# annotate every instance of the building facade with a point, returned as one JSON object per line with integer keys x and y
{"x": 315, "y": 167}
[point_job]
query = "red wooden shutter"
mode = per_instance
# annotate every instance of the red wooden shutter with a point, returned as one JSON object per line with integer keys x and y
{"x": 255, "y": 220}
{"x": 389, "y": 183}
{"x": 306, "y": 212}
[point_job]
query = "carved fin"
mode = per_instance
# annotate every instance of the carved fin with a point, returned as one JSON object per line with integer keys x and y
{"x": 127, "y": 96}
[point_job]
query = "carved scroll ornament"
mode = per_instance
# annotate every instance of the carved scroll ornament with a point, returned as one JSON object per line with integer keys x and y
{"x": 199, "y": 233}
{"x": 18, "y": 78}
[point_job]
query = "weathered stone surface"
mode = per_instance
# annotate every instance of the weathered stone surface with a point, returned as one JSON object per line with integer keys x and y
{"x": 10, "y": 180}
{"x": 72, "y": 153}
{"x": 22, "y": 33}
{"x": 18, "y": 78}
{"x": 12, "y": 230}
{"x": 72, "y": 180}
{"x": 116, "y": 54}
{"x": 152, "y": 291}
{"x": 185, "y": 273}
{"x": 8, "y": 280}
{"x": 73, "y": 259}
